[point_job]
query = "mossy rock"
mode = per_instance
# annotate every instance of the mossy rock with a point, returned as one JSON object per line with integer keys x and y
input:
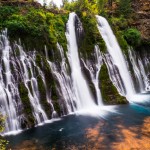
{"x": 50, "y": 83}
{"x": 27, "y": 109}
{"x": 109, "y": 92}
{"x": 43, "y": 97}
{"x": 55, "y": 99}
{"x": 91, "y": 35}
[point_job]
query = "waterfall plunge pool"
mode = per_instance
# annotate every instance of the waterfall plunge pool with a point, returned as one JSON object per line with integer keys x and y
{"x": 116, "y": 127}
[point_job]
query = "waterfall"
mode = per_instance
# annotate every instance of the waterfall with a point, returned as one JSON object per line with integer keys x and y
{"x": 16, "y": 66}
{"x": 144, "y": 74}
{"x": 48, "y": 96}
{"x": 94, "y": 70}
{"x": 65, "y": 83}
{"x": 80, "y": 86}
{"x": 141, "y": 70}
{"x": 136, "y": 70}
{"x": 116, "y": 54}
{"x": 28, "y": 63}
{"x": 8, "y": 88}
{"x": 33, "y": 105}
{"x": 114, "y": 74}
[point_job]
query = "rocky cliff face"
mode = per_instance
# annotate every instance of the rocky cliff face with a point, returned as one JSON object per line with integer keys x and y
{"x": 141, "y": 17}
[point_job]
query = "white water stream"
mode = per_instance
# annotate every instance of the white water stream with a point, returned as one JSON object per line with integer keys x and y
{"x": 94, "y": 70}
{"x": 80, "y": 86}
{"x": 116, "y": 54}
{"x": 8, "y": 89}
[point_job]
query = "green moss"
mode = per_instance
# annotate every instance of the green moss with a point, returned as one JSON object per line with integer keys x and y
{"x": 109, "y": 92}
{"x": 55, "y": 98}
{"x": 92, "y": 36}
{"x": 102, "y": 45}
{"x": 51, "y": 85}
{"x": 93, "y": 90}
{"x": 122, "y": 42}
{"x": 118, "y": 26}
{"x": 26, "y": 103}
{"x": 17, "y": 51}
{"x": 30, "y": 87}
{"x": 43, "y": 98}
{"x": 38, "y": 60}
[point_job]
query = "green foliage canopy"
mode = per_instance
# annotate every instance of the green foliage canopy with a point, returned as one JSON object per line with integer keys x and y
{"x": 132, "y": 36}
{"x": 38, "y": 26}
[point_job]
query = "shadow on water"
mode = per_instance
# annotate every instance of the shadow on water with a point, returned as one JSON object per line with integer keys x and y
{"x": 127, "y": 129}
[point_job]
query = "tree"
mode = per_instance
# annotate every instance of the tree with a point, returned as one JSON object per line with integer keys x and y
{"x": 124, "y": 7}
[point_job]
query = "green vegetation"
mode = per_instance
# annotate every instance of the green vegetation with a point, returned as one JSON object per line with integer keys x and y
{"x": 43, "y": 98}
{"x": 125, "y": 8}
{"x": 35, "y": 27}
{"x": 39, "y": 26}
{"x": 51, "y": 86}
{"x": 122, "y": 42}
{"x": 55, "y": 98}
{"x": 108, "y": 90}
{"x": 91, "y": 34}
{"x": 100, "y": 5}
{"x": 3, "y": 142}
{"x": 133, "y": 37}
{"x": 26, "y": 103}
{"x": 86, "y": 10}
{"x": 85, "y": 6}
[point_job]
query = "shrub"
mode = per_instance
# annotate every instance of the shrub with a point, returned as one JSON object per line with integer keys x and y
{"x": 132, "y": 36}
{"x": 3, "y": 142}
{"x": 120, "y": 23}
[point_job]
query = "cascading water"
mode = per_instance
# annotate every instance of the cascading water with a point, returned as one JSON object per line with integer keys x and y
{"x": 17, "y": 67}
{"x": 65, "y": 82}
{"x": 144, "y": 74}
{"x": 114, "y": 74}
{"x": 48, "y": 96}
{"x": 116, "y": 54}
{"x": 94, "y": 70}
{"x": 141, "y": 70}
{"x": 33, "y": 93}
{"x": 80, "y": 86}
{"x": 8, "y": 88}
{"x": 136, "y": 70}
